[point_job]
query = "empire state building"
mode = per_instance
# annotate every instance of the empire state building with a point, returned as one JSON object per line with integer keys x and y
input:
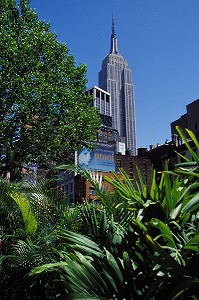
{"x": 116, "y": 78}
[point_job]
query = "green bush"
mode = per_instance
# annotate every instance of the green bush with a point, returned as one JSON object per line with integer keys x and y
{"x": 135, "y": 244}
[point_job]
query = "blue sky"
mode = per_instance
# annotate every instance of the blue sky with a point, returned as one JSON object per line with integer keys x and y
{"x": 159, "y": 39}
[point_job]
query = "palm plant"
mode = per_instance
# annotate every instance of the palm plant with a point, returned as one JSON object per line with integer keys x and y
{"x": 29, "y": 218}
{"x": 157, "y": 246}
{"x": 135, "y": 244}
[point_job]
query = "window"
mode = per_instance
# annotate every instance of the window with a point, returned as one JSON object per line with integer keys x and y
{"x": 130, "y": 165}
{"x": 131, "y": 175}
{"x": 119, "y": 163}
{"x": 102, "y": 107}
{"x": 97, "y": 102}
{"x": 144, "y": 166}
{"x": 92, "y": 191}
{"x": 97, "y": 94}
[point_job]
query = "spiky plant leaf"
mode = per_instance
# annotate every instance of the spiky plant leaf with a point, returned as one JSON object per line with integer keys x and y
{"x": 182, "y": 135}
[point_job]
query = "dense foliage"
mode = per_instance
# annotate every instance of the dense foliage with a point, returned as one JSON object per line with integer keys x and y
{"x": 44, "y": 113}
{"x": 135, "y": 244}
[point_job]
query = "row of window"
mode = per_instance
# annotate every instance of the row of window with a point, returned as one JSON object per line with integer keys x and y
{"x": 103, "y": 106}
{"x": 131, "y": 165}
{"x": 103, "y": 96}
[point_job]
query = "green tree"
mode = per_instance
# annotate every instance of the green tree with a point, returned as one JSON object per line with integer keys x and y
{"x": 44, "y": 112}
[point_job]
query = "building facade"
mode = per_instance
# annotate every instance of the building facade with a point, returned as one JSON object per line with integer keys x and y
{"x": 132, "y": 165}
{"x": 189, "y": 120}
{"x": 102, "y": 102}
{"x": 109, "y": 155}
{"x": 173, "y": 151}
{"x": 116, "y": 78}
{"x": 135, "y": 165}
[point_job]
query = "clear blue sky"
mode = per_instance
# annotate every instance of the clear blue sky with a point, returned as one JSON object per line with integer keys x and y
{"x": 159, "y": 39}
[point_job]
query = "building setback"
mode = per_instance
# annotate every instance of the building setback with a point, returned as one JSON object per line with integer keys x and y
{"x": 101, "y": 101}
{"x": 116, "y": 78}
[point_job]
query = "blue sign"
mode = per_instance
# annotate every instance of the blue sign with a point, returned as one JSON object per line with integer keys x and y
{"x": 102, "y": 158}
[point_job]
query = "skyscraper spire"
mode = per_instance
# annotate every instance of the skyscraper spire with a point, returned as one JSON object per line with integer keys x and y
{"x": 113, "y": 26}
{"x": 114, "y": 47}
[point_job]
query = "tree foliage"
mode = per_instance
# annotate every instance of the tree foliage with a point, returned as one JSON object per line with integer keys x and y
{"x": 44, "y": 112}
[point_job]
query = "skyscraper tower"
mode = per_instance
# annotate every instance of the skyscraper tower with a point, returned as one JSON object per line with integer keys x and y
{"x": 116, "y": 78}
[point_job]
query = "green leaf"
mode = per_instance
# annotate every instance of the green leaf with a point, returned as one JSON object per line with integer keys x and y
{"x": 193, "y": 137}
{"x": 182, "y": 135}
{"x": 193, "y": 244}
{"x": 29, "y": 218}
{"x": 175, "y": 212}
{"x": 154, "y": 189}
{"x": 126, "y": 261}
{"x": 165, "y": 231}
{"x": 165, "y": 259}
{"x": 191, "y": 203}
{"x": 79, "y": 241}
{"x": 112, "y": 262}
